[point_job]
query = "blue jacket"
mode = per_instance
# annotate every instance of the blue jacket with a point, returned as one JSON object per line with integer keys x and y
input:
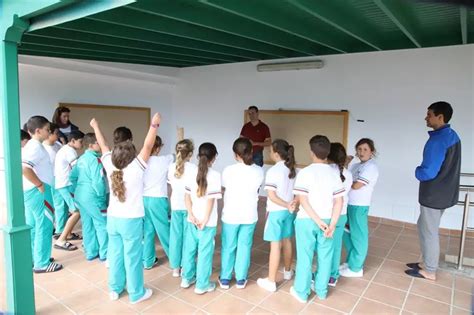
{"x": 439, "y": 173}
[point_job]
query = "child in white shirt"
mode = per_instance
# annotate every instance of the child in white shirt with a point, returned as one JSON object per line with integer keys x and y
{"x": 176, "y": 178}
{"x": 320, "y": 193}
{"x": 203, "y": 188}
{"x": 279, "y": 228}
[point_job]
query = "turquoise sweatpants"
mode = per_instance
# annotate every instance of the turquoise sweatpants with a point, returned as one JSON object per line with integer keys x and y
{"x": 125, "y": 256}
{"x": 63, "y": 204}
{"x": 337, "y": 239}
{"x": 237, "y": 240}
{"x": 39, "y": 214}
{"x": 357, "y": 241}
{"x": 308, "y": 237}
{"x": 178, "y": 228}
{"x": 94, "y": 227}
{"x": 156, "y": 222}
{"x": 200, "y": 243}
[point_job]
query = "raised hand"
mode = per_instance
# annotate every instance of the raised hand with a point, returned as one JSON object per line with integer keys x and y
{"x": 156, "y": 119}
{"x": 94, "y": 123}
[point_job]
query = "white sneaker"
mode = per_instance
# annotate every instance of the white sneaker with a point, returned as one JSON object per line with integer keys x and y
{"x": 343, "y": 266}
{"x": 114, "y": 296}
{"x": 210, "y": 288}
{"x": 185, "y": 283}
{"x": 287, "y": 275}
{"x": 266, "y": 284}
{"x": 146, "y": 296}
{"x": 348, "y": 273}
{"x": 296, "y": 296}
{"x": 176, "y": 273}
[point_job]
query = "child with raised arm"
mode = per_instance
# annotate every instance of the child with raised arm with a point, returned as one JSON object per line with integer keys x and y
{"x": 90, "y": 196}
{"x": 125, "y": 170}
{"x": 156, "y": 203}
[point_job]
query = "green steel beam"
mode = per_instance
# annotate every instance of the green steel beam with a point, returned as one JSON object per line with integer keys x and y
{"x": 119, "y": 57}
{"x": 278, "y": 20}
{"x": 400, "y": 14}
{"x": 95, "y": 58}
{"x": 89, "y": 26}
{"x": 18, "y": 258}
{"x": 74, "y": 11}
{"x": 79, "y": 37}
{"x": 341, "y": 18}
{"x": 107, "y": 50}
{"x": 203, "y": 19}
{"x": 144, "y": 21}
{"x": 463, "y": 16}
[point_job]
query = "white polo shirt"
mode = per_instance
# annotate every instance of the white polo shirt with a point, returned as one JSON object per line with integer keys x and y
{"x": 241, "y": 184}
{"x": 65, "y": 160}
{"x": 347, "y": 185}
{"x": 156, "y": 173}
{"x": 133, "y": 179}
{"x": 178, "y": 185}
{"x": 35, "y": 156}
{"x": 277, "y": 180}
{"x": 322, "y": 185}
{"x": 214, "y": 191}
{"x": 366, "y": 173}
{"x": 52, "y": 150}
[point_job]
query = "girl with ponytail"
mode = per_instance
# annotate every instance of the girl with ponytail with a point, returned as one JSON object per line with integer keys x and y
{"x": 202, "y": 189}
{"x": 125, "y": 213}
{"x": 176, "y": 174}
{"x": 279, "y": 228}
{"x": 337, "y": 159}
{"x": 239, "y": 215}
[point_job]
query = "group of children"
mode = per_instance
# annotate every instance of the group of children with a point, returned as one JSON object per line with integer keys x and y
{"x": 121, "y": 196}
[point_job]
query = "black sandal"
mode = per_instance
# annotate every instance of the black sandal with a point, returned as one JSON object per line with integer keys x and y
{"x": 74, "y": 237}
{"x": 67, "y": 246}
{"x": 415, "y": 266}
{"x": 52, "y": 267}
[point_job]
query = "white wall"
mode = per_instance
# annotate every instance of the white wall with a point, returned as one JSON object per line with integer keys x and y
{"x": 389, "y": 90}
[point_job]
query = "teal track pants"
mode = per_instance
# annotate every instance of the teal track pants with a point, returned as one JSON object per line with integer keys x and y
{"x": 156, "y": 223}
{"x": 357, "y": 241}
{"x": 178, "y": 228}
{"x": 237, "y": 240}
{"x": 39, "y": 214}
{"x": 308, "y": 237}
{"x": 198, "y": 243}
{"x": 337, "y": 237}
{"x": 125, "y": 256}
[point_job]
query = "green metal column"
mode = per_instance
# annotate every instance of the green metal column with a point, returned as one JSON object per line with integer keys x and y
{"x": 20, "y": 289}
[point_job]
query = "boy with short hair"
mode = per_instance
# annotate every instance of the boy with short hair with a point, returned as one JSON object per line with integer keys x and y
{"x": 320, "y": 192}
{"x": 64, "y": 195}
{"x": 90, "y": 197}
{"x": 37, "y": 181}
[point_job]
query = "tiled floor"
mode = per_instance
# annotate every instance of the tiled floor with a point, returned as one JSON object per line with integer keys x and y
{"x": 81, "y": 288}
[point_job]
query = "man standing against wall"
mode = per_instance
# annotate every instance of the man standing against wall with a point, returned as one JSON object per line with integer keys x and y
{"x": 258, "y": 133}
{"x": 439, "y": 176}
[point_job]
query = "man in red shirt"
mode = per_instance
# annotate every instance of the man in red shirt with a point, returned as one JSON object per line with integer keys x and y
{"x": 258, "y": 133}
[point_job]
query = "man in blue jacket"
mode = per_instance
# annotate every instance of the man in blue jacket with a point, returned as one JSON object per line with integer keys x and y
{"x": 439, "y": 176}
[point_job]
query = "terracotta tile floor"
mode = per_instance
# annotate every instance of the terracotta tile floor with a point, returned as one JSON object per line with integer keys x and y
{"x": 81, "y": 288}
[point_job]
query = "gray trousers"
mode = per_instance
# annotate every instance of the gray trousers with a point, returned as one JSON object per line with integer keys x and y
{"x": 428, "y": 232}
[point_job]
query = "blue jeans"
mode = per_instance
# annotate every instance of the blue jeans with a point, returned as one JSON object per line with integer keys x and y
{"x": 258, "y": 158}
